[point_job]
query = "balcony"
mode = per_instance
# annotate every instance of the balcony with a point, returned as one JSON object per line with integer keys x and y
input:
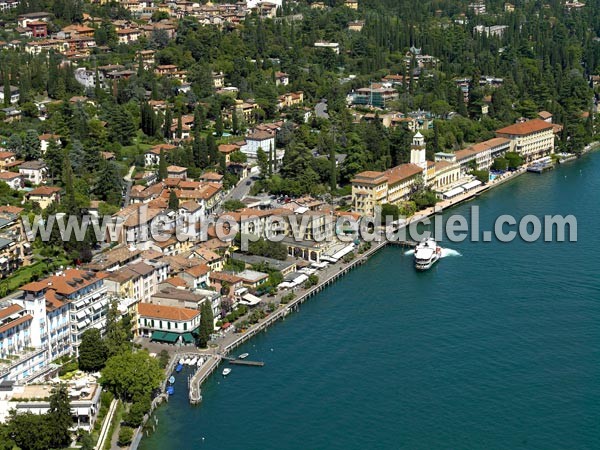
{"x": 18, "y": 358}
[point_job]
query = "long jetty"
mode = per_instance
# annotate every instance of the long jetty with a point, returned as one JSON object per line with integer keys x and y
{"x": 203, "y": 372}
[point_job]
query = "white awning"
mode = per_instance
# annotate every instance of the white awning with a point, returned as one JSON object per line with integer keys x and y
{"x": 343, "y": 252}
{"x": 80, "y": 314}
{"x": 299, "y": 280}
{"x": 453, "y": 192}
{"x": 241, "y": 291}
{"x": 96, "y": 306}
{"x": 328, "y": 259}
{"x": 250, "y": 300}
{"x": 471, "y": 184}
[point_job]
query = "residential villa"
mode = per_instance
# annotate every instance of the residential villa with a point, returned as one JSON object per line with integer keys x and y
{"x": 44, "y": 196}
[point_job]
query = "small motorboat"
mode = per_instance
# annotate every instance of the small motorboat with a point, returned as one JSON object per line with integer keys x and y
{"x": 171, "y": 379}
{"x": 181, "y": 361}
{"x": 178, "y": 368}
{"x": 200, "y": 362}
{"x": 226, "y": 371}
{"x": 243, "y": 356}
{"x": 170, "y": 390}
{"x": 193, "y": 361}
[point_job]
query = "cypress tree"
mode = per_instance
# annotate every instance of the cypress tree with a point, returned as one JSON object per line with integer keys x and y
{"x": 6, "y": 89}
{"x": 206, "y": 324}
{"x": 219, "y": 125}
{"x": 173, "y": 201}
{"x": 271, "y": 163}
{"x": 179, "y": 126}
{"x": 235, "y": 123}
{"x": 162, "y": 166}
{"x": 202, "y": 153}
{"x": 212, "y": 149}
{"x": 167, "y": 124}
{"x": 70, "y": 204}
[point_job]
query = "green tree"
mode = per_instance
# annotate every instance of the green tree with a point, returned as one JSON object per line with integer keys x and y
{"x": 500, "y": 164}
{"x": 162, "y": 166}
{"x": 125, "y": 436}
{"x": 54, "y": 159}
{"x": 263, "y": 162}
{"x": 69, "y": 202}
{"x": 206, "y": 324}
{"x": 219, "y": 125}
{"x": 59, "y": 416}
{"x": 235, "y": 123}
{"x": 138, "y": 409}
{"x": 32, "y": 148}
{"x": 173, "y": 201}
{"x": 30, "y": 431}
{"x": 238, "y": 157}
{"x": 481, "y": 175}
{"x": 116, "y": 336}
{"x": 391, "y": 211}
{"x": 233, "y": 205}
{"x": 514, "y": 160}
{"x": 167, "y": 124}
{"x": 109, "y": 183}
{"x": 179, "y": 130}
{"x": 131, "y": 375}
{"x": 92, "y": 351}
{"x": 6, "y": 88}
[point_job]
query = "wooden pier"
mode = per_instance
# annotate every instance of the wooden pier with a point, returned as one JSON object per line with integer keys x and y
{"x": 540, "y": 168}
{"x": 245, "y": 362}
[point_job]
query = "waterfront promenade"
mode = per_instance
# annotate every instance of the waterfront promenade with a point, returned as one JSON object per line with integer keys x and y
{"x": 224, "y": 344}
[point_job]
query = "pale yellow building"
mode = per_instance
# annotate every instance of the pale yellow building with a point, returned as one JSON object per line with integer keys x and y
{"x": 532, "y": 140}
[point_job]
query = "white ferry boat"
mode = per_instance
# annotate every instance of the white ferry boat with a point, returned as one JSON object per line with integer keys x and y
{"x": 427, "y": 254}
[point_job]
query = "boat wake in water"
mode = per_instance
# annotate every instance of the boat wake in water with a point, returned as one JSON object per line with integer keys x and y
{"x": 445, "y": 252}
{"x": 449, "y": 252}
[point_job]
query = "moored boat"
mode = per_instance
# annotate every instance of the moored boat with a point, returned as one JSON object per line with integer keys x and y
{"x": 226, "y": 371}
{"x": 179, "y": 368}
{"x": 171, "y": 379}
{"x": 243, "y": 356}
{"x": 170, "y": 390}
{"x": 427, "y": 253}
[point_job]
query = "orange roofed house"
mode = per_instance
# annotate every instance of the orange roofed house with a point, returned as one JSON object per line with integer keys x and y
{"x": 152, "y": 156}
{"x": 169, "y": 324}
{"x": 372, "y": 188}
{"x": 532, "y": 139}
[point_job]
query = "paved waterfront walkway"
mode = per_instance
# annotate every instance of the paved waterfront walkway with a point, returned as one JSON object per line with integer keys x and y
{"x": 218, "y": 345}
{"x": 106, "y": 425}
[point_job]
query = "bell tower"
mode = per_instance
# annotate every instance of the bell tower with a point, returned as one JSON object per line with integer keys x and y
{"x": 417, "y": 151}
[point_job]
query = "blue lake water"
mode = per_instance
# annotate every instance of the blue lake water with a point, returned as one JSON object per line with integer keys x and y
{"x": 498, "y": 348}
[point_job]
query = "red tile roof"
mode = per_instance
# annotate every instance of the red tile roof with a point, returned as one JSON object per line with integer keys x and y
{"x": 15, "y": 322}
{"x": 9, "y": 310}
{"x": 524, "y": 128}
{"x": 44, "y": 191}
{"x": 166, "y": 312}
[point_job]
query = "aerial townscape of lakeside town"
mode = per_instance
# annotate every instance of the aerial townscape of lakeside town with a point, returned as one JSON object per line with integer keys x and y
{"x": 132, "y": 112}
